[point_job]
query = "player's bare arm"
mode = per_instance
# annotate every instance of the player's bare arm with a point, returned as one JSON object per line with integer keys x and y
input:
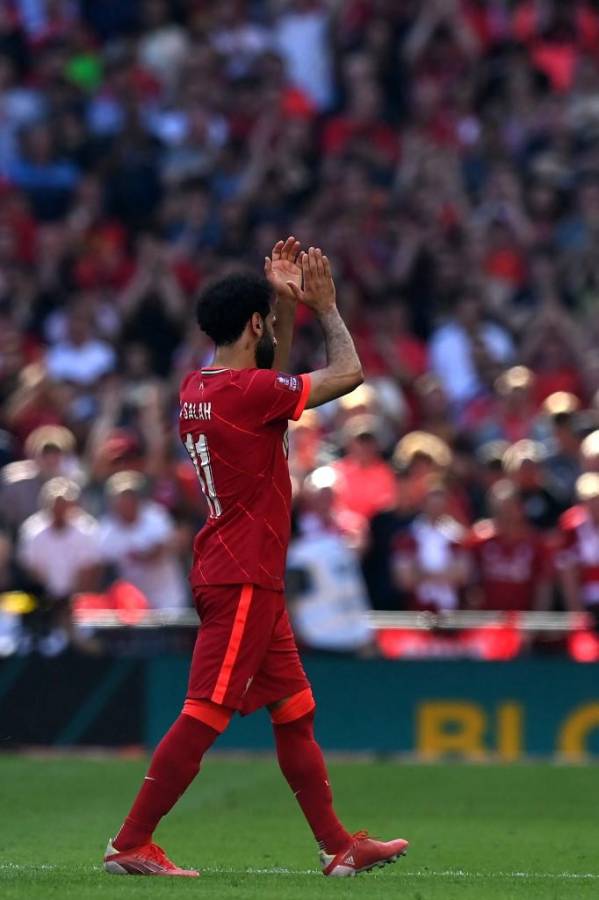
{"x": 282, "y": 269}
{"x": 343, "y": 372}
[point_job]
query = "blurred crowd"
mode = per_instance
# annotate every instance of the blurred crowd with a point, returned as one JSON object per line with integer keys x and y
{"x": 444, "y": 153}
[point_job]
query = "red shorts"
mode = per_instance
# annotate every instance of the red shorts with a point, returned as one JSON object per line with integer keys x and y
{"x": 245, "y": 655}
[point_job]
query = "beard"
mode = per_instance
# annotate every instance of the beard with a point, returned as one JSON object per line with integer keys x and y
{"x": 265, "y": 351}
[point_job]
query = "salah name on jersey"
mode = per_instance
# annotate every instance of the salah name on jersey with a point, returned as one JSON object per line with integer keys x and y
{"x": 233, "y": 423}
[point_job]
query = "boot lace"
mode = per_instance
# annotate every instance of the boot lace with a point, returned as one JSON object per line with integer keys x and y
{"x": 157, "y": 855}
{"x": 360, "y": 835}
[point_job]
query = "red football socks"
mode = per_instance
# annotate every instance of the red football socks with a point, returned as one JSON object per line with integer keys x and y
{"x": 302, "y": 764}
{"x": 175, "y": 763}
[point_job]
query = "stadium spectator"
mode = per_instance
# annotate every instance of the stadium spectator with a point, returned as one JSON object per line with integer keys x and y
{"x": 164, "y": 43}
{"x": 378, "y": 399}
{"x": 36, "y": 401}
{"x": 365, "y": 482}
{"x": 49, "y": 452}
{"x": 467, "y": 352}
{"x": 563, "y": 441}
{"x": 444, "y": 155}
{"x": 14, "y": 586}
{"x": 137, "y": 537}
{"x": 241, "y": 41}
{"x": 39, "y": 170}
{"x": 80, "y": 357}
{"x": 327, "y": 592}
{"x": 555, "y": 350}
{"x": 21, "y": 106}
{"x": 419, "y": 457}
{"x": 432, "y": 409}
{"x": 58, "y": 549}
{"x": 364, "y": 401}
{"x": 484, "y": 468}
{"x": 430, "y": 561}
{"x": 510, "y": 563}
{"x": 523, "y": 463}
{"x": 301, "y": 36}
{"x": 307, "y": 449}
{"x": 578, "y": 556}
{"x": 388, "y": 345}
{"x": 509, "y": 415}
{"x": 152, "y": 304}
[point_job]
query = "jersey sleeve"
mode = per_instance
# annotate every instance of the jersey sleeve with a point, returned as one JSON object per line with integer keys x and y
{"x": 275, "y": 396}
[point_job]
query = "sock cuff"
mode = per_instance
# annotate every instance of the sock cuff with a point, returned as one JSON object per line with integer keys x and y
{"x": 294, "y": 707}
{"x": 211, "y": 714}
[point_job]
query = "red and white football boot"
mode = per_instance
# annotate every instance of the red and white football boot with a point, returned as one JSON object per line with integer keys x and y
{"x": 362, "y": 855}
{"x": 149, "y": 859}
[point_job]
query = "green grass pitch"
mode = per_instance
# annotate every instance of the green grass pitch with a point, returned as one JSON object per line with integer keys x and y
{"x": 476, "y": 831}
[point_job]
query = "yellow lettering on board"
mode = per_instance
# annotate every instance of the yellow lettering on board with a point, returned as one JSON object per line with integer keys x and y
{"x": 509, "y": 731}
{"x": 450, "y": 727}
{"x": 575, "y": 729}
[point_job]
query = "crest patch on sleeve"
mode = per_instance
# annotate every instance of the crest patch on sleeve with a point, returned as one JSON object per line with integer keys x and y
{"x": 288, "y": 383}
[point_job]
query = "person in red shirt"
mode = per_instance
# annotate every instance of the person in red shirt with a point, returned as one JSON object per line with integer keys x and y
{"x": 233, "y": 422}
{"x": 362, "y": 127}
{"x": 365, "y": 482}
{"x": 577, "y": 560}
{"x": 509, "y": 414}
{"x": 509, "y": 560}
{"x": 387, "y": 344}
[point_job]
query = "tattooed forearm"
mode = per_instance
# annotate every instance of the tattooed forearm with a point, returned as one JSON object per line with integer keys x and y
{"x": 342, "y": 357}
{"x": 343, "y": 371}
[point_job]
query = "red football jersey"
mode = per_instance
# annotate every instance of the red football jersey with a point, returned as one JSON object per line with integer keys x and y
{"x": 508, "y": 570}
{"x": 579, "y": 544}
{"x": 233, "y": 423}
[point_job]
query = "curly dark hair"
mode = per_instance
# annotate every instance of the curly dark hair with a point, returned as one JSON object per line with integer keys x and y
{"x": 226, "y": 306}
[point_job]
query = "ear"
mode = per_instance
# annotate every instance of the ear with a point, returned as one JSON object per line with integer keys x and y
{"x": 257, "y": 324}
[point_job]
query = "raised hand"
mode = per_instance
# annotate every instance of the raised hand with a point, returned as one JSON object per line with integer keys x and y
{"x": 343, "y": 371}
{"x": 319, "y": 288}
{"x": 283, "y": 268}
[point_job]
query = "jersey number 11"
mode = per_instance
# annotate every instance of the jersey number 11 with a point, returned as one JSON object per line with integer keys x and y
{"x": 200, "y": 458}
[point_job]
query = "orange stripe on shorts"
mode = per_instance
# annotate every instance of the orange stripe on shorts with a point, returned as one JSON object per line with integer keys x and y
{"x": 293, "y": 707}
{"x": 218, "y": 717}
{"x": 224, "y": 676}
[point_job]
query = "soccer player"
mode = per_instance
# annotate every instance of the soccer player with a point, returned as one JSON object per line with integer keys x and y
{"x": 233, "y": 421}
